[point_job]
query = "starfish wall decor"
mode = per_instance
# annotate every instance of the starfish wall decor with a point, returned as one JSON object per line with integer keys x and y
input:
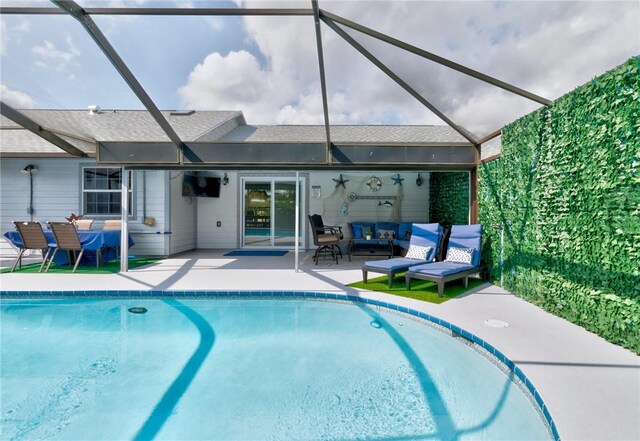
{"x": 341, "y": 181}
{"x": 397, "y": 180}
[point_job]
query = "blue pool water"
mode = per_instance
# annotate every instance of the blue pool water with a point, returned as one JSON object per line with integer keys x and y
{"x": 268, "y": 369}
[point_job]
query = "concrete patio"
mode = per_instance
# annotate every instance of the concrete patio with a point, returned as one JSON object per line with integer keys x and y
{"x": 591, "y": 387}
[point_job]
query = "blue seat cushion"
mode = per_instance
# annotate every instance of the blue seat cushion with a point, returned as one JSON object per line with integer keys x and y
{"x": 426, "y": 235}
{"x": 441, "y": 269}
{"x": 467, "y": 236}
{"x": 396, "y": 264}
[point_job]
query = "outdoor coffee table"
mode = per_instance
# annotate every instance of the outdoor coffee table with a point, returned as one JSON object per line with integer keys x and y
{"x": 370, "y": 248}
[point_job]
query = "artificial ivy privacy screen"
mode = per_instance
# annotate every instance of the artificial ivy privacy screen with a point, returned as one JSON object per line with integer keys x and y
{"x": 567, "y": 192}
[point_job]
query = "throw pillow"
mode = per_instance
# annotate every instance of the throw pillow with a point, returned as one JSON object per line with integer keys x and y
{"x": 357, "y": 231}
{"x": 386, "y": 234}
{"x": 417, "y": 252}
{"x": 459, "y": 255}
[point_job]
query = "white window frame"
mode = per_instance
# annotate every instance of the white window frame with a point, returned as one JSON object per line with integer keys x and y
{"x": 84, "y": 191}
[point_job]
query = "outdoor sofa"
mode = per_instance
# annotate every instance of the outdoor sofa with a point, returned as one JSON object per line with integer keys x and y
{"x": 400, "y": 231}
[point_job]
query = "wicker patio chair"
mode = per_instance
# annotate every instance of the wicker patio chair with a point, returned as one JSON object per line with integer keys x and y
{"x": 325, "y": 238}
{"x": 66, "y": 240}
{"x": 33, "y": 238}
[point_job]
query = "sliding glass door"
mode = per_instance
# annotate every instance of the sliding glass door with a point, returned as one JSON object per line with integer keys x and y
{"x": 269, "y": 207}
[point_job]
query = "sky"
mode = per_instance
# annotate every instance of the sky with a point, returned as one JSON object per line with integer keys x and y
{"x": 267, "y": 67}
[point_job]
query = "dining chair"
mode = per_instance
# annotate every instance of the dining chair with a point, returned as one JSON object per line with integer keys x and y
{"x": 112, "y": 224}
{"x": 33, "y": 238}
{"x": 83, "y": 224}
{"x": 66, "y": 240}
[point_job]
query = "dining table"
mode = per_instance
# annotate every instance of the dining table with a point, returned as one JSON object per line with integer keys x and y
{"x": 100, "y": 246}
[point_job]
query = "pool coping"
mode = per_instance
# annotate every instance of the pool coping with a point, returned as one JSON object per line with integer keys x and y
{"x": 456, "y": 331}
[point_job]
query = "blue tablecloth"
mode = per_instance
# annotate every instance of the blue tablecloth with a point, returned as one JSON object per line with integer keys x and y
{"x": 92, "y": 241}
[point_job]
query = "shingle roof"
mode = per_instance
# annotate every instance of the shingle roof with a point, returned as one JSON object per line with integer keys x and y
{"x": 347, "y": 134}
{"x": 82, "y": 130}
{"x": 125, "y": 125}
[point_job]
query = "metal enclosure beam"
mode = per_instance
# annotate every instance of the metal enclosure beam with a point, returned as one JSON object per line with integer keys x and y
{"x": 433, "y": 57}
{"x": 76, "y": 11}
{"x": 37, "y": 129}
{"x": 27, "y": 10}
{"x": 323, "y": 84}
{"x": 461, "y": 130}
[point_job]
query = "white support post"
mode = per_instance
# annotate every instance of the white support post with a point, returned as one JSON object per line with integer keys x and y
{"x": 297, "y": 224}
{"x": 124, "y": 217}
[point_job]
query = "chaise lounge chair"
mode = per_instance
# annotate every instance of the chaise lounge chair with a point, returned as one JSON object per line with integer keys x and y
{"x": 462, "y": 261}
{"x": 423, "y": 247}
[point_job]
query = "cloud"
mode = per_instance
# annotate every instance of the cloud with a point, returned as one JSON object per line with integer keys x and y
{"x": 7, "y": 32}
{"x": 51, "y": 57}
{"x": 548, "y": 48}
{"x": 3, "y": 37}
{"x": 16, "y": 99}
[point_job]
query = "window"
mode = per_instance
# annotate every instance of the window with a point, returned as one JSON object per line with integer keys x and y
{"x": 101, "y": 191}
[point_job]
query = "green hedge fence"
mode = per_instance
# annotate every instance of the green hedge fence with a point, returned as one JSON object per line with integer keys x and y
{"x": 449, "y": 198}
{"x": 567, "y": 192}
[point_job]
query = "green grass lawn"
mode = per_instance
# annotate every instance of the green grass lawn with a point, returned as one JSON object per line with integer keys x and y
{"x": 420, "y": 289}
{"x": 111, "y": 267}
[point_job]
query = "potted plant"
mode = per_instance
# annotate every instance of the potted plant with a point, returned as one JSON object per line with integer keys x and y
{"x": 367, "y": 233}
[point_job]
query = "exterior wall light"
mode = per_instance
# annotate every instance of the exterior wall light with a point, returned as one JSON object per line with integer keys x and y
{"x": 225, "y": 179}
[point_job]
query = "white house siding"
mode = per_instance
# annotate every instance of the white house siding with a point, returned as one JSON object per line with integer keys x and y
{"x": 224, "y": 209}
{"x": 411, "y": 203}
{"x": 57, "y": 194}
{"x": 183, "y": 217}
{"x": 150, "y": 240}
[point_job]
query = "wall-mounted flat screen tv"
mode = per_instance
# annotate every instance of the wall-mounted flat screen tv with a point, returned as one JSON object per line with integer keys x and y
{"x": 199, "y": 186}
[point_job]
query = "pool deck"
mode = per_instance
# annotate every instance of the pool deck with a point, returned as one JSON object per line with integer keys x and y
{"x": 591, "y": 387}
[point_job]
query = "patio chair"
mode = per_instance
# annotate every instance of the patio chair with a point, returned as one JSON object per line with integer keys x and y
{"x": 112, "y": 224}
{"x": 462, "y": 261}
{"x": 326, "y": 238}
{"x": 423, "y": 247}
{"x": 83, "y": 224}
{"x": 66, "y": 240}
{"x": 33, "y": 238}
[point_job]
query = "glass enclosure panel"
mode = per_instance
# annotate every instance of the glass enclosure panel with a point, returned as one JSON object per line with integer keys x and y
{"x": 285, "y": 214}
{"x": 257, "y": 214}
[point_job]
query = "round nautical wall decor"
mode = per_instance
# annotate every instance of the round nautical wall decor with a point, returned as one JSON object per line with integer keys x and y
{"x": 374, "y": 183}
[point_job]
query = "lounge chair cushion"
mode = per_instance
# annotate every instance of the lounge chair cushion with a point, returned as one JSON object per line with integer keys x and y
{"x": 417, "y": 252}
{"x": 394, "y": 264}
{"x": 460, "y": 255}
{"x": 440, "y": 269}
{"x": 467, "y": 236}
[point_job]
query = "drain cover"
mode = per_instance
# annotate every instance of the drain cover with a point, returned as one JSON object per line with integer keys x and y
{"x": 495, "y": 323}
{"x": 137, "y": 310}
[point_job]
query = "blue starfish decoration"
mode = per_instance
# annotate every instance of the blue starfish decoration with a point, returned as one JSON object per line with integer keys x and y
{"x": 340, "y": 182}
{"x": 397, "y": 180}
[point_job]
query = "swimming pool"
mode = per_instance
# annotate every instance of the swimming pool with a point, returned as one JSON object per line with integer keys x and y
{"x": 246, "y": 368}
